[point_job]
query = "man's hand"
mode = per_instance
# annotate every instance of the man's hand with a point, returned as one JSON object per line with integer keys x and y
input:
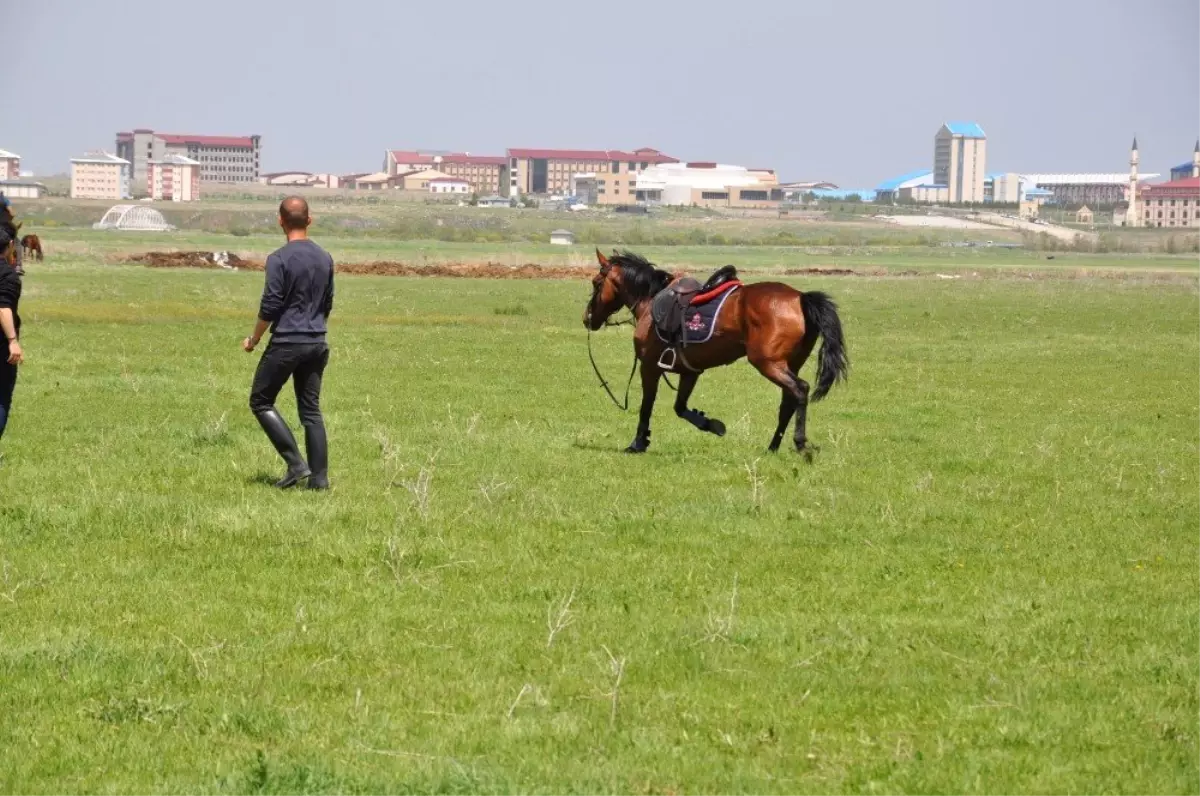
{"x": 248, "y": 344}
{"x": 15, "y": 355}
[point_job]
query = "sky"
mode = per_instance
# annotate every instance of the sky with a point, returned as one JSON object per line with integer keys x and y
{"x": 851, "y": 91}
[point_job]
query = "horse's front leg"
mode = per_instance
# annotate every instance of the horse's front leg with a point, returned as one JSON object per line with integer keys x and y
{"x": 650, "y": 376}
{"x": 687, "y": 383}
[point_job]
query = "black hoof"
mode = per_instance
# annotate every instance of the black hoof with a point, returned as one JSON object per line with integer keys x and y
{"x": 807, "y": 452}
{"x": 636, "y": 449}
{"x": 715, "y": 427}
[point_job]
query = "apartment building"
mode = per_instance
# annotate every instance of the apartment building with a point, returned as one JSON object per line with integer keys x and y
{"x": 222, "y": 159}
{"x": 10, "y": 165}
{"x": 482, "y": 172}
{"x": 960, "y": 161}
{"x": 100, "y": 175}
{"x": 175, "y": 178}
{"x": 553, "y": 171}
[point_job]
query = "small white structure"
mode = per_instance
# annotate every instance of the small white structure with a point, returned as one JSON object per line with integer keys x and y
{"x": 22, "y": 189}
{"x": 495, "y": 200}
{"x": 562, "y": 237}
{"x": 138, "y": 218}
{"x": 449, "y": 185}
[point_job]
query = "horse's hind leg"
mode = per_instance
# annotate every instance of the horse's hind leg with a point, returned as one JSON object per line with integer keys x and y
{"x": 687, "y": 383}
{"x": 787, "y": 408}
{"x": 779, "y": 372}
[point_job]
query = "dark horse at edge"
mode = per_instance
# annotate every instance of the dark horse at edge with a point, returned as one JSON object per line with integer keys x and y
{"x": 772, "y": 324}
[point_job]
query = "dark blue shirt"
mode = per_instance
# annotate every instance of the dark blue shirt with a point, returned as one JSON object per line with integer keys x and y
{"x": 298, "y": 295}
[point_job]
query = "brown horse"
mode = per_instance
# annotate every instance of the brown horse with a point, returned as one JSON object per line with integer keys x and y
{"x": 32, "y": 244}
{"x": 772, "y": 324}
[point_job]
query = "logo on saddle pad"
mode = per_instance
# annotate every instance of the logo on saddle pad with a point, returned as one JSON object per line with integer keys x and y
{"x": 695, "y": 323}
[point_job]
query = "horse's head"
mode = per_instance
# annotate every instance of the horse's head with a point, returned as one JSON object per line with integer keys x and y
{"x": 606, "y": 294}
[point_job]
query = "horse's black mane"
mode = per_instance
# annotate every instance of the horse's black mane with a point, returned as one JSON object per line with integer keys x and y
{"x": 640, "y": 277}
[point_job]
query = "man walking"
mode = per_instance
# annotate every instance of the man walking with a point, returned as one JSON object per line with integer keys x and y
{"x": 296, "y": 302}
{"x": 11, "y": 355}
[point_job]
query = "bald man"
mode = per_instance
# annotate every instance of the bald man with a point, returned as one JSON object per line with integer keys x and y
{"x": 296, "y": 302}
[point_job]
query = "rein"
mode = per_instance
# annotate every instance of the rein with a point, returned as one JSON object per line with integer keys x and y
{"x": 623, "y": 406}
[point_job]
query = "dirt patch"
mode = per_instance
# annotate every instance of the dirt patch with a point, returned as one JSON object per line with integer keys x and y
{"x": 229, "y": 260}
{"x": 192, "y": 260}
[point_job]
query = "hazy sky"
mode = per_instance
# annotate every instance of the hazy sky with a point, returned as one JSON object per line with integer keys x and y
{"x": 847, "y": 91}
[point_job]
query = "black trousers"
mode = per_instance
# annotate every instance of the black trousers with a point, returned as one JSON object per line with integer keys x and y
{"x": 304, "y": 364}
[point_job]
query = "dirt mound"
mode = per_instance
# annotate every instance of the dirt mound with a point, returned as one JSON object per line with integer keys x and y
{"x": 464, "y": 270}
{"x": 193, "y": 260}
{"x": 492, "y": 270}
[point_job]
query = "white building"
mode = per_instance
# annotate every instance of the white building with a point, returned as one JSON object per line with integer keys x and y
{"x": 10, "y": 165}
{"x": 174, "y": 178}
{"x": 449, "y": 185}
{"x": 959, "y": 161}
{"x": 706, "y": 184}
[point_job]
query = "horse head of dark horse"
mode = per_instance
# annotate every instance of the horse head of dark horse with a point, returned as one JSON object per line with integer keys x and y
{"x": 622, "y": 281}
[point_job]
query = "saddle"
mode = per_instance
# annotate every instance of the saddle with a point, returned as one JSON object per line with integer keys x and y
{"x": 669, "y": 305}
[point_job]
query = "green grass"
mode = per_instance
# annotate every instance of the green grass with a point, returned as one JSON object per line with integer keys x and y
{"x": 986, "y": 581}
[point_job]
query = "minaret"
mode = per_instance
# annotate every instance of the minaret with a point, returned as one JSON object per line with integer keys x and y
{"x": 1196, "y": 159}
{"x": 1132, "y": 217}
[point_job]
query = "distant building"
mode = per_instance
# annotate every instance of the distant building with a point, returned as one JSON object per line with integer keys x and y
{"x": 22, "y": 189}
{"x": 891, "y": 190}
{"x": 495, "y": 200}
{"x": 697, "y": 183}
{"x": 1002, "y": 188}
{"x": 1081, "y": 189}
{"x": 222, "y": 158}
{"x": 415, "y": 180}
{"x": 300, "y": 178}
{"x": 550, "y": 171}
{"x": 175, "y": 178}
{"x": 562, "y": 237}
{"x": 960, "y": 160}
{"x": 100, "y": 175}
{"x": 1084, "y": 215}
{"x": 10, "y": 165}
{"x": 449, "y": 185}
{"x": 372, "y": 182}
{"x": 1171, "y": 204}
{"x": 482, "y": 172}
{"x": 1185, "y": 170}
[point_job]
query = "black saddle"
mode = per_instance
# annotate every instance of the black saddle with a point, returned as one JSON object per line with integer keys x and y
{"x": 668, "y": 306}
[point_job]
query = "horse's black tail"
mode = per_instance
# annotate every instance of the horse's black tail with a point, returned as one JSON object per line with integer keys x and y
{"x": 833, "y": 364}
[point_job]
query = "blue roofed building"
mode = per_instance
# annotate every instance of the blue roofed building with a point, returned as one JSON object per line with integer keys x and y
{"x": 960, "y": 161}
{"x": 890, "y": 190}
{"x": 1190, "y": 169}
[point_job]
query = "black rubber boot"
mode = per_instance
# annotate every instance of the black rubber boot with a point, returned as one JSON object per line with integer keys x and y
{"x": 318, "y": 456}
{"x": 281, "y": 437}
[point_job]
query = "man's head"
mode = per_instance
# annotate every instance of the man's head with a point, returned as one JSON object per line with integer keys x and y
{"x": 293, "y": 214}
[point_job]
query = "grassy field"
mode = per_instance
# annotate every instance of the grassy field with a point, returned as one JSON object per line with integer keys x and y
{"x": 985, "y": 582}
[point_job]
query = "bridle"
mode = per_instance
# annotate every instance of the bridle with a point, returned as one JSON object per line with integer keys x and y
{"x": 591, "y": 306}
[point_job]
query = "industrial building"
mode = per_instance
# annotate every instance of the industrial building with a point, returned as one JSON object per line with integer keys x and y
{"x": 700, "y": 184}
{"x": 222, "y": 158}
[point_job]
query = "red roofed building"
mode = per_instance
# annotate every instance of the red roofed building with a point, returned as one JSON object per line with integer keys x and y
{"x": 548, "y": 171}
{"x": 482, "y": 172}
{"x": 222, "y": 158}
{"x": 1170, "y": 204}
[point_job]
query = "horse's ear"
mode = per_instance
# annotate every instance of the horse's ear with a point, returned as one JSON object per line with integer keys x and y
{"x": 604, "y": 263}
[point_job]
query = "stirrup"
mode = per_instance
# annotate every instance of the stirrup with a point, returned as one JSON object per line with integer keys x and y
{"x": 662, "y": 363}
